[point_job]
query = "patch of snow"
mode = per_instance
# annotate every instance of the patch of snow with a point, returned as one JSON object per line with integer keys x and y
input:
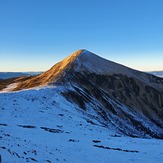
{"x": 41, "y": 125}
{"x": 9, "y": 87}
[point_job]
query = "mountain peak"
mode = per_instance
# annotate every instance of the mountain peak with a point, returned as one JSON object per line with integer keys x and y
{"x": 80, "y": 61}
{"x": 96, "y": 64}
{"x": 86, "y": 52}
{"x": 51, "y": 75}
{"x": 81, "y": 52}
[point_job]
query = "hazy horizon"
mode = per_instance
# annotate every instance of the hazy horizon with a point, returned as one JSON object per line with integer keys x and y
{"x": 35, "y": 35}
{"x": 49, "y": 66}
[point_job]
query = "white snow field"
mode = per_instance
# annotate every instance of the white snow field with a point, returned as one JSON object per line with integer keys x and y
{"x": 39, "y": 125}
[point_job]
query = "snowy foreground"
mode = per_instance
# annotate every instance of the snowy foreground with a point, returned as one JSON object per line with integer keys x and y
{"x": 41, "y": 126}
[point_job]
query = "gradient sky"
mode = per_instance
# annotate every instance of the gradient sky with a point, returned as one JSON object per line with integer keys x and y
{"x": 35, "y": 34}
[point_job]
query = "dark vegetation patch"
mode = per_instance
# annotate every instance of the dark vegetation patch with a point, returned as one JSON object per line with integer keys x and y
{"x": 76, "y": 98}
{"x": 67, "y": 132}
{"x": 11, "y": 152}
{"x": 61, "y": 115}
{"x": 2, "y": 124}
{"x": 91, "y": 122}
{"x": 52, "y": 130}
{"x": 96, "y": 141}
{"x": 31, "y": 159}
{"x": 59, "y": 126}
{"x": 16, "y": 154}
{"x": 73, "y": 140}
{"x": 116, "y": 149}
{"x": 27, "y": 126}
{"x": 3, "y": 147}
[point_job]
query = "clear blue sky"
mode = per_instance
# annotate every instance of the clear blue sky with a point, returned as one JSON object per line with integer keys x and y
{"x": 35, "y": 34}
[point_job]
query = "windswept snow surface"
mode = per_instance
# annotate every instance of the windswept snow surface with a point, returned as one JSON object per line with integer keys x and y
{"x": 40, "y": 125}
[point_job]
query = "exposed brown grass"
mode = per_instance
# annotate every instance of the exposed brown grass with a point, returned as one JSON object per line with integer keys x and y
{"x": 49, "y": 76}
{"x": 4, "y": 83}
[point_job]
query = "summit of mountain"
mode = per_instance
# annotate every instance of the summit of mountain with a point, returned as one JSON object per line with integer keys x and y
{"x": 83, "y": 61}
{"x": 51, "y": 75}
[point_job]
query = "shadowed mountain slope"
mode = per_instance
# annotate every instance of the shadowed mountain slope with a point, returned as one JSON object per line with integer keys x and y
{"x": 120, "y": 98}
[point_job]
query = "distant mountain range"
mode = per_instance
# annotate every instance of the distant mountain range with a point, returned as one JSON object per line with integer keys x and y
{"x": 6, "y": 75}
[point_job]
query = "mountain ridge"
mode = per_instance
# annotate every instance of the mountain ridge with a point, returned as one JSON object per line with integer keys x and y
{"x": 50, "y": 75}
{"x": 83, "y": 60}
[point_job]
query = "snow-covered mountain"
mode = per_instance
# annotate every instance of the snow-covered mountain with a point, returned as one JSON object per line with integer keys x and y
{"x": 84, "y": 103}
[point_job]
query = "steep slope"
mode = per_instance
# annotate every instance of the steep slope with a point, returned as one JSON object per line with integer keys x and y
{"x": 42, "y": 79}
{"x": 119, "y": 98}
{"x": 122, "y": 98}
{"x": 49, "y": 76}
{"x": 42, "y": 126}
